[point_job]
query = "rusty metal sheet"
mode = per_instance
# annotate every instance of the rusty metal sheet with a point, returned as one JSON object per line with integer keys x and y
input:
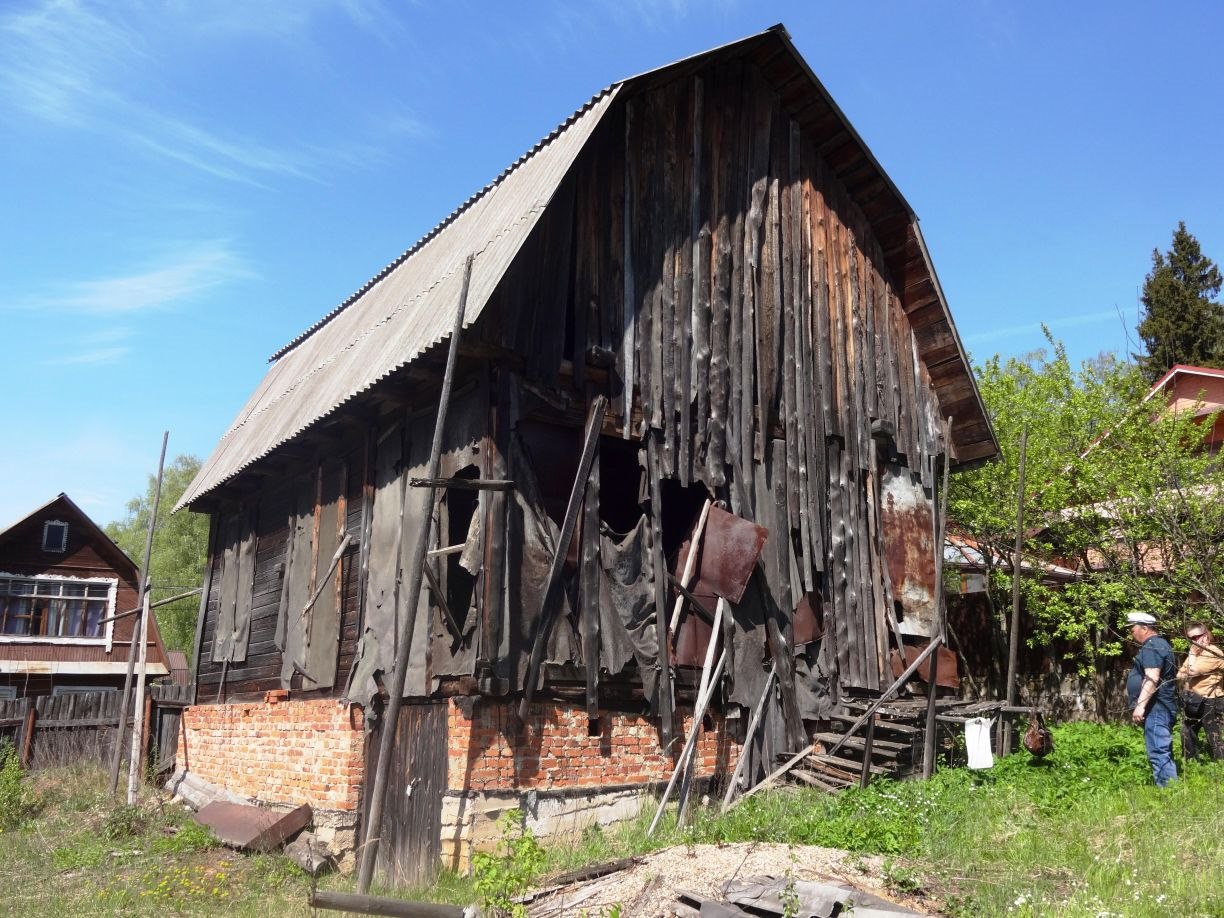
{"x": 946, "y": 676}
{"x": 730, "y": 549}
{"x": 908, "y": 527}
{"x": 808, "y": 620}
{"x": 252, "y": 827}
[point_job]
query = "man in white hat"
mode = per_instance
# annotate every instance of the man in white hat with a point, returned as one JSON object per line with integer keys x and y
{"x": 1151, "y": 688}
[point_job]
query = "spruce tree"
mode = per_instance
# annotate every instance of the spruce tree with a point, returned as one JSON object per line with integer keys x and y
{"x": 1182, "y": 320}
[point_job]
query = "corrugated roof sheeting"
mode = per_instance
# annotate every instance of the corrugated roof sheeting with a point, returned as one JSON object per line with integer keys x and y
{"x": 405, "y": 311}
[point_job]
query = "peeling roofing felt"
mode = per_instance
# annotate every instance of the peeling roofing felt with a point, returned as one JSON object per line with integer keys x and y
{"x": 403, "y": 311}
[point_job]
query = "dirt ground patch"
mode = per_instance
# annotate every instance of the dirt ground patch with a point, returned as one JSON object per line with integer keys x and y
{"x": 649, "y": 888}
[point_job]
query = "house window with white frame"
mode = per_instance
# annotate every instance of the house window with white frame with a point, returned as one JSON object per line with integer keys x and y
{"x": 55, "y": 536}
{"x": 54, "y": 607}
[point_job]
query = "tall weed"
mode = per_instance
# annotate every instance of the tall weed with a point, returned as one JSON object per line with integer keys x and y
{"x": 18, "y": 802}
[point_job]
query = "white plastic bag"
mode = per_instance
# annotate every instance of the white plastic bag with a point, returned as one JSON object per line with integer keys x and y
{"x": 977, "y": 742}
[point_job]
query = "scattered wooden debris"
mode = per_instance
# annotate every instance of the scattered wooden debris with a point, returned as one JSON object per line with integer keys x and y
{"x": 381, "y": 905}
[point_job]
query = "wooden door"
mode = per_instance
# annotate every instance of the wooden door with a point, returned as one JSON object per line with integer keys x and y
{"x": 411, "y": 848}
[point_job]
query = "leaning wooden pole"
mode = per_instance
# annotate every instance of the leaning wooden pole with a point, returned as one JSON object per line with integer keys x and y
{"x": 386, "y": 742}
{"x": 941, "y": 610}
{"x": 135, "y": 768}
{"x": 1013, "y": 631}
{"x": 117, "y": 753}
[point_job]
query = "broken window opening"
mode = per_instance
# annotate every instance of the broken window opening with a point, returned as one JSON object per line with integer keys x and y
{"x": 620, "y": 479}
{"x": 461, "y": 507}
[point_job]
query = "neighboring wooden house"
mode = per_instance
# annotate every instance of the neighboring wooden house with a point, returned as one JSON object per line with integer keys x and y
{"x": 61, "y": 581}
{"x": 712, "y": 249}
{"x": 1197, "y": 389}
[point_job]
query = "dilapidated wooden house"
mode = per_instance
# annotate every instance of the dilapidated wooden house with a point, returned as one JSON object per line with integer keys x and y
{"x": 707, "y": 269}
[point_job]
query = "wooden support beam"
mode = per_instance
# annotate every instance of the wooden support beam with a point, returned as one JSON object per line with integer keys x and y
{"x": 142, "y": 596}
{"x": 379, "y": 905}
{"x": 690, "y": 565}
{"x": 666, "y": 701}
{"x": 544, "y": 613}
{"x": 690, "y": 744}
{"x": 753, "y": 723}
{"x": 440, "y": 596}
{"x": 463, "y": 484}
{"x": 388, "y": 728}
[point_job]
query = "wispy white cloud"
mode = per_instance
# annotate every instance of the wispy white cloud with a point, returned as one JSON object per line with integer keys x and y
{"x": 102, "y": 347}
{"x": 1034, "y": 327}
{"x": 81, "y": 66}
{"x": 100, "y": 356}
{"x": 177, "y": 278}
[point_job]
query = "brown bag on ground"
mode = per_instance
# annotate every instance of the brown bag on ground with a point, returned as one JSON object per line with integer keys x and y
{"x": 1037, "y": 739}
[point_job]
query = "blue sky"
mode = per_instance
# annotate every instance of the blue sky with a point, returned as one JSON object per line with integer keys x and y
{"x": 188, "y": 185}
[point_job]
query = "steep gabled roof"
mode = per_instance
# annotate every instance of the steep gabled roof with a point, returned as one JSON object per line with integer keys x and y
{"x": 407, "y": 307}
{"x": 105, "y": 545}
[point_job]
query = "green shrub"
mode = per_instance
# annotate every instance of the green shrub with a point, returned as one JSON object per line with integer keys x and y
{"x": 17, "y": 801}
{"x": 509, "y": 869}
{"x": 125, "y": 821}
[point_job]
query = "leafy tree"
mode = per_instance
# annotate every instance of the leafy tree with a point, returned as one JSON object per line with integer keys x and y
{"x": 1182, "y": 320}
{"x": 180, "y": 547}
{"x": 1117, "y": 488}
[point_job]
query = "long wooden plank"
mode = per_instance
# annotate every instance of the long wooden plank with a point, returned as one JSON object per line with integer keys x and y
{"x": 589, "y": 579}
{"x": 664, "y": 698}
{"x": 396, "y": 688}
{"x": 690, "y": 744}
{"x": 546, "y": 608}
{"x": 753, "y": 723}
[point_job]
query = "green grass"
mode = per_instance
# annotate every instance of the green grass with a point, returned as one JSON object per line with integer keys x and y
{"x": 77, "y": 852}
{"x": 1083, "y": 832}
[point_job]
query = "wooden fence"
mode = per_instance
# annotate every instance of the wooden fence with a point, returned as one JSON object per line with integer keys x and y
{"x": 49, "y": 731}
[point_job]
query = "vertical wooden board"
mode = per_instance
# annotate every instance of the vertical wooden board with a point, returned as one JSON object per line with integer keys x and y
{"x": 231, "y": 539}
{"x": 411, "y": 849}
{"x": 244, "y": 588}
{"x": 589, "y": 581}
{"x": 628, "y": 314}
{"x": 705, "y": 126}
{"x": 686, "y": 239}
{"x": 323, "y": 632}
{"x": 752, "y": 446}
{"x": 723, "y": 203}
{"x": 664, "y": 700}
{"x": 297, "y": 581}
{"x": 789, "y": 242}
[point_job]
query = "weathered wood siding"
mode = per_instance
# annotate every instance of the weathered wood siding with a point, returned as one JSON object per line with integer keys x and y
{"x": 704, "y": 241}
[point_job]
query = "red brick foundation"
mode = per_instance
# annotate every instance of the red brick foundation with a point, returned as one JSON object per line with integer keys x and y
{"x": 289, "y": 752}
{"x": 554, "y": 751}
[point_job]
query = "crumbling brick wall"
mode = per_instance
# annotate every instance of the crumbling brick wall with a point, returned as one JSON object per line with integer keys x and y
{"x": 555, "y": 752}
{"x": 289, "y": 752}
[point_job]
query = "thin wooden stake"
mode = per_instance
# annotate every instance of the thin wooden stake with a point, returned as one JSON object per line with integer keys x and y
{"x": 703, "y": 686}
{"x": 388, "y": 728}
{"x": 748, "y": 735}
{"x": 690, "y": 563}
{"x": 868, "y": 744}
{"x": 135, "y": 770}
{"x": 690, "y": 743}
{"x": 117, "y": 754}
{"x": 1013, "y": 636}
{"x": 941, "y": 611}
